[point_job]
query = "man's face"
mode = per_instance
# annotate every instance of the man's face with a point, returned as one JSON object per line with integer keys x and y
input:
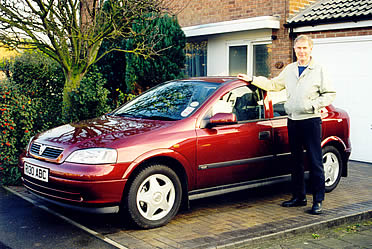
{"x": 303, "y": 51}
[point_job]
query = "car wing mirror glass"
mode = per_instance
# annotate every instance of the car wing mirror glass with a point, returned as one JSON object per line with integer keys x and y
{"x": 222, "y": 119}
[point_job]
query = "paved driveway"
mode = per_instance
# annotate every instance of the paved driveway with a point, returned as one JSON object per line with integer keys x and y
{"x": 232, "y": 218}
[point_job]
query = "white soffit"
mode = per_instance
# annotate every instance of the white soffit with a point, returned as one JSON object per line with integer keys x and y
{"x": 346, "y": 39}
{"x": 324, "y": 27}
{"x": 262, "y": 22}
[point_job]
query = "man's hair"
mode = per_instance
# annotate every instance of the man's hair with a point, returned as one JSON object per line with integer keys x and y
{"x": 304, "y": 38}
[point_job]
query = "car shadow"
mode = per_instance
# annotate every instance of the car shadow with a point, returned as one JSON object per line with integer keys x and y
{"x": 114, "y": 223}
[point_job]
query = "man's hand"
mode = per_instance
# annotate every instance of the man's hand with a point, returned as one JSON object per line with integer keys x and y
{"x": 245, "y": 77}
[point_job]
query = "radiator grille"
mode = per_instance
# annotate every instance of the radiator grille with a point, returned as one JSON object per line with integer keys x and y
{"x": 45, "y": 151}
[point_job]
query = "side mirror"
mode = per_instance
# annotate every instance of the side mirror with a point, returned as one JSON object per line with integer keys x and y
{"x": 222, "y": 119}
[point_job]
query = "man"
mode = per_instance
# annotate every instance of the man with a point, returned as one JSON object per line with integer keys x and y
{"x": 308, "y": 90}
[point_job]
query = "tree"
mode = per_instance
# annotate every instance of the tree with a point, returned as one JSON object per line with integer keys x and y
{"x": 129, "y": 73}
{"x": 143, "y": 72}
{"x": 72, "y": 31}
{"x": 112, "y": 66}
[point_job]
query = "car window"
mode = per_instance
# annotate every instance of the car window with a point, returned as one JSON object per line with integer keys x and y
{"x": 278, "y": 100}
{"x": 244, "y": 102}
{"x": 173, "y": 100}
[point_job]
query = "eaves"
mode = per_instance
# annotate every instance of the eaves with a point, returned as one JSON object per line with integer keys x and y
{"x": 254, "y": 23}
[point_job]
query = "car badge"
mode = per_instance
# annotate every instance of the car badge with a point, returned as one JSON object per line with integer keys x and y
{"x": 42, "y": 149}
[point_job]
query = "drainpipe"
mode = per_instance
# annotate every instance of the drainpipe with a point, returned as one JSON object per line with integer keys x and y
{"x": 292, "y": 36}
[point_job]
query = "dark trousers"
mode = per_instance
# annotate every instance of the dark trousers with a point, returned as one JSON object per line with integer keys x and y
{"x": 306, "y": 134}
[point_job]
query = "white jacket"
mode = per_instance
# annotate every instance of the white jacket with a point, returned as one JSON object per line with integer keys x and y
{"x": 306, "y": 94}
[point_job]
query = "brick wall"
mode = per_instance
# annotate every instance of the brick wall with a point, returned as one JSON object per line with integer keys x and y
{"x": 194, "y": 12}
{"x": 282, "y": 45}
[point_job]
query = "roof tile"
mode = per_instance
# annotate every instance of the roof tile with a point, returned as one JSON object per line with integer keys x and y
{"x": 334, "y": 10}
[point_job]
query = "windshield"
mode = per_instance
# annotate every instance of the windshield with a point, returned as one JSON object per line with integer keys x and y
{"x": 173, "y": 100}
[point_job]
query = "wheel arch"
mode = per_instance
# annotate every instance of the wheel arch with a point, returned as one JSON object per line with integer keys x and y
{"x": 177, "y": 163}
{"x": 341, "y": 147}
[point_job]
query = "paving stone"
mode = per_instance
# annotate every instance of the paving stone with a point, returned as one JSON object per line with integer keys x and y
{"x": 332, "y": 243}
{"x": 360, "y": 240}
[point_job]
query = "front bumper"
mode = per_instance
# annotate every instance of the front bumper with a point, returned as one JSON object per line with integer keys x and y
{"x": 91, "y": 188}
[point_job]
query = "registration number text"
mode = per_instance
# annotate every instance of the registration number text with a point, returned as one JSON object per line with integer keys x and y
{"x": 36, "y": 172}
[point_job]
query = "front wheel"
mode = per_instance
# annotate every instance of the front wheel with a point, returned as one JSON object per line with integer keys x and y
{"x": 154, "y": 196}
{"x": 332, "y": 164}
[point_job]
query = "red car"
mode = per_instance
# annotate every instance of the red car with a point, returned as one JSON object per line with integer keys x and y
{"x": 183, "y": 139}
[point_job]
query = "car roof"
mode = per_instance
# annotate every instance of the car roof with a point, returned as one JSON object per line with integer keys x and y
{"x": 213, "y": 79}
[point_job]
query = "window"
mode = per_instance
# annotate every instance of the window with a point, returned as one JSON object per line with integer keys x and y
{"x": 278, "y": 99}
{"x": 196, "y": 58}
{"x": 250, "y": 58}
{"x": 238, "y": 60}
{"x": 261, "y": 59}
{"x": 245, "y": 102}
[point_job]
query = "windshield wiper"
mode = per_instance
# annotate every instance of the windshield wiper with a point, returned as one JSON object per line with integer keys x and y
{"x": 124, "y": 114}
{"x": 160, "y": 118}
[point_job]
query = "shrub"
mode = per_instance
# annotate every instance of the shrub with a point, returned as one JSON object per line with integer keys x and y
{"x": 123, "y": 97}
{"x": 16, "y": 127}
{"x": 41, "y": 79}
{"x": 30, "y": 102}
{"x": 91, "y": 98}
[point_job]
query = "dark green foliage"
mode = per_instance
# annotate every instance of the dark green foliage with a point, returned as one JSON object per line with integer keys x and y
{"x": 5, "y": 66}
{"x": 147, "y": 72}
{"x": 30, "y": 102}
{"x": 41, "y": 79}
{"x": 91, "y": 98}
{"x": 112, "y": 66}
{"x": 18, "y": 115}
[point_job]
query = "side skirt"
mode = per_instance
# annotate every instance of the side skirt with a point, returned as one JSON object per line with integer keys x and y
{"x": 219, "y": 190}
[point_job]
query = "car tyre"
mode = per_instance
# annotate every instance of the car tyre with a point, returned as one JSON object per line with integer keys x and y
{"x": 332, "y": 167}
{"x": 154, "y": 196}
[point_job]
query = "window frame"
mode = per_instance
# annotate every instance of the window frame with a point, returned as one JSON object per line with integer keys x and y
{"x": 201, "y": 43}
{"x": 250, "y": 44}
{"x": 258, "y": 92}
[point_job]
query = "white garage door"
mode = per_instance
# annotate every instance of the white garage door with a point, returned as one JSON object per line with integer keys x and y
{"x": 349, "y": 62}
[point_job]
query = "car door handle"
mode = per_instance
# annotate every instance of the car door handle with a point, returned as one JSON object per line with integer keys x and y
{"x": 264, "y": 135}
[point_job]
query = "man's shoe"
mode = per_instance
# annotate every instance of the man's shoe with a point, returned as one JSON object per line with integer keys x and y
{"x": 295, "y": 202}
{"x": 317, "y": 208}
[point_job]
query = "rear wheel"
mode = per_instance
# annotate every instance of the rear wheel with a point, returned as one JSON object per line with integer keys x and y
{"x": 332, "y": 167}
{"x": 154, "y": 196}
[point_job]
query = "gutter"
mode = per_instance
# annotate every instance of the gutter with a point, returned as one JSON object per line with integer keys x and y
{"x": 353, "y": 19}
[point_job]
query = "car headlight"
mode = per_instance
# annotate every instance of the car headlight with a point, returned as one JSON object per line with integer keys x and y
{"x": 93, "y": 156}
{"x": 29, "y": 145}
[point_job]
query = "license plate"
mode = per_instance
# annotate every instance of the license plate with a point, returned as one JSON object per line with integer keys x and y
{"x": 36, "y": 172}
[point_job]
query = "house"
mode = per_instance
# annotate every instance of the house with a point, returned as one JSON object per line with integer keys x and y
{"x": 230, "y": 36}
{"x": 226, "y": 37}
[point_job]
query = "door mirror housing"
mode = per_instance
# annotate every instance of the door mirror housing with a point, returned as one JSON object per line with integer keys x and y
{"x": 222, "y": 119}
